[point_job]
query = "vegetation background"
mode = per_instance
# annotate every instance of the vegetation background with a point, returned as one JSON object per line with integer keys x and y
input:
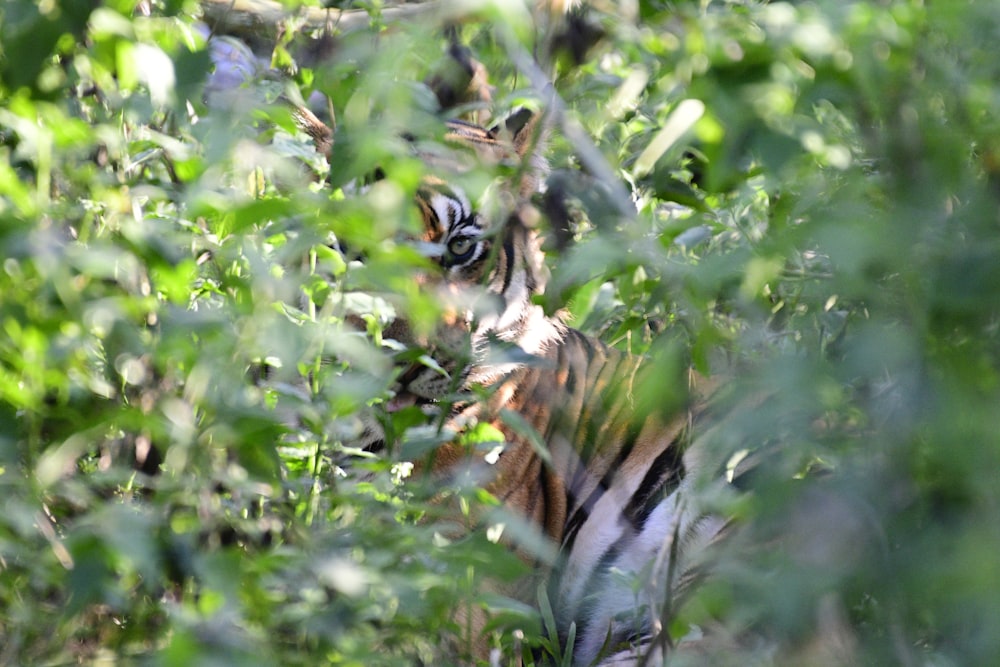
{"x": 806, "y": 192}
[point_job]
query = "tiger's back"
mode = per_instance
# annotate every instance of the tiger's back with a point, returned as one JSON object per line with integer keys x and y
{"x": 607, "y": 490}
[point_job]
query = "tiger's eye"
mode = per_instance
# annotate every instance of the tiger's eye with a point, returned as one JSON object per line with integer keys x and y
{"x": 461, "y": 246}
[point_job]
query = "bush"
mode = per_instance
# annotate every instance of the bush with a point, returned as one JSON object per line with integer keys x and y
{"x": 802, "y": 196}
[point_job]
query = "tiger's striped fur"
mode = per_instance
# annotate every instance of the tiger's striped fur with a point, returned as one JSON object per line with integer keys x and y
{"x": 609, "y": 487}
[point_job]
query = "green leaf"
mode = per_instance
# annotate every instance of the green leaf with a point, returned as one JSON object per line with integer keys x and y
{"x": 483, "y": 433}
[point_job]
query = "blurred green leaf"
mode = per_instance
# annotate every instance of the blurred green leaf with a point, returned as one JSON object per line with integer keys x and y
{"x": 195, "y": 327}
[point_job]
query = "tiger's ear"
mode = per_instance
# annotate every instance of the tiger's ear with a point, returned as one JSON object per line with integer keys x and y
{"x": 525, "y": 131}
{"x": 521, "y": 128}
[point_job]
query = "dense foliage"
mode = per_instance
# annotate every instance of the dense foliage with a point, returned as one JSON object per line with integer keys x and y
{"x": 802, "y": 197}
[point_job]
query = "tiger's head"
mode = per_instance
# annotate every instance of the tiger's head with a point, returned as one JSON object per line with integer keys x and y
{"x": 487, "y": 265}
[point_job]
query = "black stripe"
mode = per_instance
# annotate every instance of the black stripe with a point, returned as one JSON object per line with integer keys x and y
{"x": 575, "y": 522}
{"x": 582, "y": 386}
{"x": 588, "y": 345}
{"x": 662, "y": 478}
{"x": 468, "y": 132}
{"x": 580, "y": 515}
{"x": 508, "y": 251}
{"x": 427, "y": 196}
{"x": 570, "y": 383}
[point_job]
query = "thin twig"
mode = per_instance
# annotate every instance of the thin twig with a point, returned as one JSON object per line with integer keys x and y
{"x": 585, "y": 149}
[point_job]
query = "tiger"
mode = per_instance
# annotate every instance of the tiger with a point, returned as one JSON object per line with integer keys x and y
{"x": 603, "y": 479}
{"x": 609, "y": 485}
